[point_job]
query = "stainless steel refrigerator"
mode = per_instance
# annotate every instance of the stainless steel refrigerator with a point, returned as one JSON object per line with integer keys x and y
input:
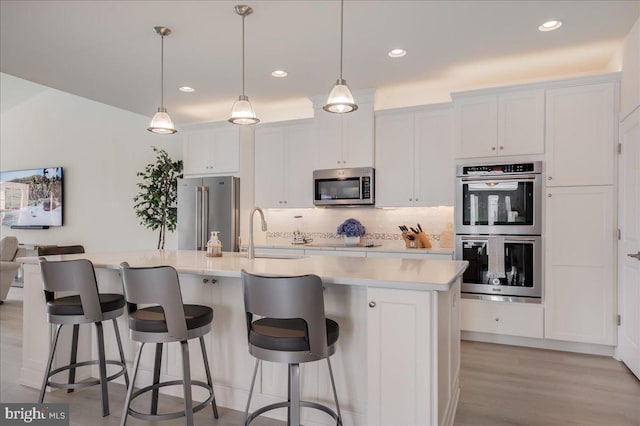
{"x": 205, "y": 205}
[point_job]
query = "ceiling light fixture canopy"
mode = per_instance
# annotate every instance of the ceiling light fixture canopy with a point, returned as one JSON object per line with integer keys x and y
{"x": 161, "y": 123}
{"x": 340, "y": 99}
{"x": 242, "y": 112}
{"x": 551, "y": 25}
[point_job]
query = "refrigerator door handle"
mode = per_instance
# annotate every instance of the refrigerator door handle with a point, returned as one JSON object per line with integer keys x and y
{"x": 198, "y": 217}
{"x": 205, "y": 215}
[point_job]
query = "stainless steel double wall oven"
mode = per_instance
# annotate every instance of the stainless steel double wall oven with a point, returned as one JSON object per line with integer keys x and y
{"x": 498, "y": 216}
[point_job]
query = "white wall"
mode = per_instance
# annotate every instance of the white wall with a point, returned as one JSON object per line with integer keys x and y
{"x": 630, "y": 81}
{"x": 101, "y": 148}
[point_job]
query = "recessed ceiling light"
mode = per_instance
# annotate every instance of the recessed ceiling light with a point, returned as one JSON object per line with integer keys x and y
{"x": 187, "y": 89}
{"x": 397, "y": 53}
{"x": 550, "y": 25}
{"x": 279, "y": 73}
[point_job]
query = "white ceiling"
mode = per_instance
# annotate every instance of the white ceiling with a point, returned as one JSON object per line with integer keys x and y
{"x": 107, "y": 50}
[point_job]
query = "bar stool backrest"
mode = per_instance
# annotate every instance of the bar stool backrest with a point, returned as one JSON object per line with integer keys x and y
{"x": 51, "y": 250}
{"x": 158, "y": 285}
{"x": 76, "y": 276}
{"x": 288, "y": 298}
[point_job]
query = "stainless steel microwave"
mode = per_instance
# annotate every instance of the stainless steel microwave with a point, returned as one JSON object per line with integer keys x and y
{"x": 344, "y": 187}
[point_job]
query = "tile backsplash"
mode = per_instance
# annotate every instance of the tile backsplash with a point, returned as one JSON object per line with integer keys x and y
{"x": 381, "y": 225}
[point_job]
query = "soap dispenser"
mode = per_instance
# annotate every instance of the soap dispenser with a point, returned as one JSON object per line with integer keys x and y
{"x": 214, "y": 246}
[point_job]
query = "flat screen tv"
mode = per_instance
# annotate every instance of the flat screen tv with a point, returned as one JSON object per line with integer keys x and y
{"x": 31, "y": 198}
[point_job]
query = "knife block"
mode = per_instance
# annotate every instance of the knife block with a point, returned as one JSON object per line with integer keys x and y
{"x": 419, "y": 240}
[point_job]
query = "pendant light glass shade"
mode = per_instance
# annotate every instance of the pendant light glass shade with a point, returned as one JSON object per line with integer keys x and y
{"x": 340, "y": 99}
{"x": 161, "y": 123}
{"x": 242, "y": 112}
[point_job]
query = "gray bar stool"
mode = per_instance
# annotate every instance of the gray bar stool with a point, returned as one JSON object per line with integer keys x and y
{"x": 293, "y": 330}
{"x": 169, "y": 320}
{"x": 88, "y": 306}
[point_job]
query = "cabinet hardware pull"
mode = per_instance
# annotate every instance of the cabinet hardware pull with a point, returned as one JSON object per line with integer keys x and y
{"x": 550, "y": 178}
{"x": 207, "y": 280}
{"x": 372, "y": 304}
{"x": 493, "y": 148}
{"x": 497, "y": 319}
{"x": 637, "y": 255}
{"x": 549, "y": 195}
{"x": 501, "y": 147}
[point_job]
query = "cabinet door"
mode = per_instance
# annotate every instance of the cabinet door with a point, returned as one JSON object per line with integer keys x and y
{"x": 269, "y": 167}
{"x": 225, "y": 149}
{"x": 328, "y": 140}
{"x": 357, "y": 137}
{"x": 476, "y": 129}
{"x": 196, "y": 151}
{"x": 211, "y": 150}
{"x": 434, "y": 168}
{"x": 394, "y": 160}
{"x": 298, "y": 175}
{"x": 399, "y": 335}
{"x": 580, "y": 135}
{"x": 579, "y": 258}
{"x": 521, "y": 123}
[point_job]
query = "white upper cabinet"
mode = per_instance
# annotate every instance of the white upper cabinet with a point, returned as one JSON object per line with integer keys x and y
{"x": 580, "y": 135}
{"x": 344, "y": 140}
{"x": 414, "y": 157}
{"x": 508, "y": 123}
{"x": 283, "y": 177}
{"x": 211, "y": 149}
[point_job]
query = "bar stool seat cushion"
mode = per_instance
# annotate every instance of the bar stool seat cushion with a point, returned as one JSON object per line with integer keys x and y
{"x": 71, "y": 305}
{"x": 151, "y": 320}
{"x": 287, "y": 334}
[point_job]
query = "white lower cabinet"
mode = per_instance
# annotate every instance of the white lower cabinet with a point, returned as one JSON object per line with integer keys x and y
{"x": 579, "y": 265}
{"x": 413, "y": 347}
{"x": 321, "y": 252}
{"x": 509, "y": 318}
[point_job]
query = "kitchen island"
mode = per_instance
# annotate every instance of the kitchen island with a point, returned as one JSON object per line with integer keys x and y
{"x": 397, "y": 360}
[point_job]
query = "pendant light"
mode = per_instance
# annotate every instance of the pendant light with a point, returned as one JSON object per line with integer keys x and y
{"x": 242, "y": 112}
{"x": 340, "y": 99}
{"x": 161, "y": 122}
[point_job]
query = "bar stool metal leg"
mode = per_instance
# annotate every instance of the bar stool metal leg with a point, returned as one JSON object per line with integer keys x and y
{"x": 127, "y": 400}
{"x": 103, "y": 370}
{"x": 156, "y": 378}
{"x": 335, "y": 394}
{"x": 207, "y": 370}
{"x": 117, "y": 331}
{"x": 52, "y": 350}
{"x": 253, "y": 382}
{"x": 186, "y": 373}
{"x": 74, "y": 356}
{"x": 294, "y": 395}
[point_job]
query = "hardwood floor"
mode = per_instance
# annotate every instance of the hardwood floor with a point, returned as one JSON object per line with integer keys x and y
{"x": 500, "y": 385}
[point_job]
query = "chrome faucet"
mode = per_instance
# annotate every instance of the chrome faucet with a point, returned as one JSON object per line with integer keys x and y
{"x": 251, "y": 252}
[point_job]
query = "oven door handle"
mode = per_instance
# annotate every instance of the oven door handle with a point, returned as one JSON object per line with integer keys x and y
{"x": 522, "y": 178}
{"x": 509, "y": 239}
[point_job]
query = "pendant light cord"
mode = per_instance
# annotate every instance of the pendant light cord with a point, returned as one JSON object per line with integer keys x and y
{"x": 341, "y": 33}
{"x": 243, "y": 55}
{"x": 162, "y": 71}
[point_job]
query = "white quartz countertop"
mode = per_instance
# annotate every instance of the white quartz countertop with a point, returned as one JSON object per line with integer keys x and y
{"x": 338, "y": 247}
{"x": 409, "y": 274}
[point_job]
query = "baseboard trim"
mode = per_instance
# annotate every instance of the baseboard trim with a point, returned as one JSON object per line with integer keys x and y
{"x": 555, "y": 345}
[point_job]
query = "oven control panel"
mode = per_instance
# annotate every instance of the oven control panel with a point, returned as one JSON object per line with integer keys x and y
{"x": 499, "y": 169}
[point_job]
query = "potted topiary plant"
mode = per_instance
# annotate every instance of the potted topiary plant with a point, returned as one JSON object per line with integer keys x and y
{"x": 156, "y": 204}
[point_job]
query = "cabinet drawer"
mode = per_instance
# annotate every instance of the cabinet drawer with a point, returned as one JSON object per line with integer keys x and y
{"x": 511, "y": 318}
